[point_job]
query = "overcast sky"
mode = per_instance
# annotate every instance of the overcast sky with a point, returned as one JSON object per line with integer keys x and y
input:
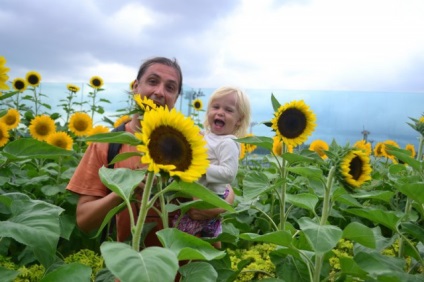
{"x": 320, "y": 45}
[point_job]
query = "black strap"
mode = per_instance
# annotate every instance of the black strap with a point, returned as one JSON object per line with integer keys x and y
{"x": 114, "y": 148}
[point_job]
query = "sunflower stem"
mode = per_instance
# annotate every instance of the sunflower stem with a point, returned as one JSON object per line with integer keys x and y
{"x": 327, "y": 197}
{"x": 144, "y": 208}
{"x": 420, "y": 148}
{"x": 163, "y": 212}
{"x": 283, "y": 191}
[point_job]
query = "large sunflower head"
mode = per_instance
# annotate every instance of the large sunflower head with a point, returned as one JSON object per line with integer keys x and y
{"x": 364, "y": 146}
{"x": 121, "y": 120}
{"x": 172, "y": 143}
{"x": 80, "y": 123}
{"x": 354, "y": 168}
{"x": 72, "y": 88}
{"x": 11, "y": 118}
{"x": 96, "y": 82}
{"x": 411, "y": 149}
{"x": 319, "y": 146}
{"x": 3, "y": 74}
{"x": 144, "y": 104}
{"x": 60, "y": 139}
{"x": 4, "y": 134}
{"x": 33, "y": 78}
{"x": 294, "y": 122}
{"x": 197, "y": 104}
{"x": 41, "y": 127}
{"x": 19, "y": 84}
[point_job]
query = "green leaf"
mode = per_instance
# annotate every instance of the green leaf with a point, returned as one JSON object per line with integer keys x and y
{"x": 124, "y": 156}
{"x": 198, "y": 271}
{"x": 308, "y": 172}
{"x": 389, "y": 219}
{"x": 114, "y": 137}
{"x": 33, "y": 223}
{"x": 28, "y": 148}
{"x": 199, "y": 191}
{"x": 186, "y": 246}
{"x": 404, "y": 155}
{"x": 322, "y": 238}
{"x": 122, "y": 181}
{"x": 360, "y": 233}
{"x": 151, "y": 264}
{"x": 304, "y": 200}
{"x": 385, "y": 196}
{"x": 350, "y": 267}
{"x": 377, "y": 264}
{"x": 254, "y": 184}
{"x": 414, "y": 191}
{"x": 413, "y": 229}
{"x": 281, "y": 238}
{"x": 260, "y": 141}
{"x": 293, "y": 158}
{"x": 69, "y": 273}
{"x": 8, "y": 275}
{"x": 275, "y": 104}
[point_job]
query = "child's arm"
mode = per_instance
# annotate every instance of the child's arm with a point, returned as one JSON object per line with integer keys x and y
{"x": 226, "y": 169}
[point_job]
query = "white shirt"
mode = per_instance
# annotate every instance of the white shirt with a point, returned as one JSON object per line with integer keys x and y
{"x": 223, "y": 155}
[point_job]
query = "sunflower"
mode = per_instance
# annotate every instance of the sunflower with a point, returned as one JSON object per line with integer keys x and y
{"x": 411, "y": 149}
{"x": 421, "y": 120}
{"x": 378, "y": 150}
{"x": 386, "y": 148}
{"x": 173, "y": 143}
{"x": 355, "y": 168}
{"x": 132, "y": 85}
{"x": 60, "y": 139}
{"x": 41, "y": 127}
{"x": 3, "y": 74}
{"x": 96, "y": 82}
{"x": 242, "y": 151}
{"x": 4, "y": 134}
{"x": 250, "y": 147}
{"x": 73, "y": 88}
{"x": 11, "y": 118}
{"x": 277, "y": 146}
{"x": 197, "y": 104}
{"x": 364, "y": 146}
{"x": 319, "y": 146}
{"x": 80, "y": 123}
{"x": 294, "y": 122}
{"x": 144, "y": 104}
{"x": 121, "y": 120}
{"x": 19, "y": 84}
{"x": 33, "y": 78}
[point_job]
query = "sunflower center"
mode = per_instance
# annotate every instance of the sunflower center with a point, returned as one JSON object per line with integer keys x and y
{"x": 10, "y": 120}
{"x": 96, "y": 82}
{"x": 43, "y": 129}
{"x": 33, "y": 79}
{"x": 292, "y": 123}
{"x": 169, "y": 146}
{"x": 80, "y": 125}
{"x": 197, "y": 105}
{"x": 355, "y": 168}
{"x": 60, "y": 143}
{"x": 19, "y": 85}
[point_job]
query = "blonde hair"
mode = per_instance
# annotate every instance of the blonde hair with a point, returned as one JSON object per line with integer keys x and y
{"x": 242, "y": 105}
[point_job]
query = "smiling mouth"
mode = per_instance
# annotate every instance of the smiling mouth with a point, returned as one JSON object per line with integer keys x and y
{"x": 219, "y": 123}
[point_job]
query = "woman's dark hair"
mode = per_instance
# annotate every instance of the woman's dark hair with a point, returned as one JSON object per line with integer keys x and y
{"x": 164, "y": 61}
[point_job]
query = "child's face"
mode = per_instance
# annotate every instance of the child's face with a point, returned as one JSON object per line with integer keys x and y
{"x": 223, "y": 116}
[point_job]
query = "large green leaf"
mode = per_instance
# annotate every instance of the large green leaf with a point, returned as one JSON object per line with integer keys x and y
{"x": 404, "y": 156}
{"x": 322, "y": 238}
{"x": 304, "y": 200}
{"x": 415, "y": 191}
{"x": 151, "y": 264}
{"x": 8, "y": 275}
{"x": 198, "y": 271}
{"x": 254, "y": 184}
{"x": 186, "y": 246}
{"x": 360, "y": 233}
{"x": 260, "y": 141}
{"x": 389, "y": 219}
{"x": 33, "y": 223}
{"x": 308, "y": 172}
{"x": 413, "y": 229}
{"x": 293, "y": 158}
{"x": 377, "y": 264}
{"x": 281, "y": 238}
{"x": 29, "y": 148}
{"x": 69, "y": 273}
{"x": 122, "y": 181}
{"x": 199, "y": 191}
{"x": 114, "y": 137}
{"x": 385, "y": 196}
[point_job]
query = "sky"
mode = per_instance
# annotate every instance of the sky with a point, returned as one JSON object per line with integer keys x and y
{"x": 285, "y": 47}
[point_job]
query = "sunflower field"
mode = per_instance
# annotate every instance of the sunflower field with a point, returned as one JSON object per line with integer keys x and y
{"x": 304, "y": 211}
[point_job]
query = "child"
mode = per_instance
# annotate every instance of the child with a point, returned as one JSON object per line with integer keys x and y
{"x": 227, "y": 118}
